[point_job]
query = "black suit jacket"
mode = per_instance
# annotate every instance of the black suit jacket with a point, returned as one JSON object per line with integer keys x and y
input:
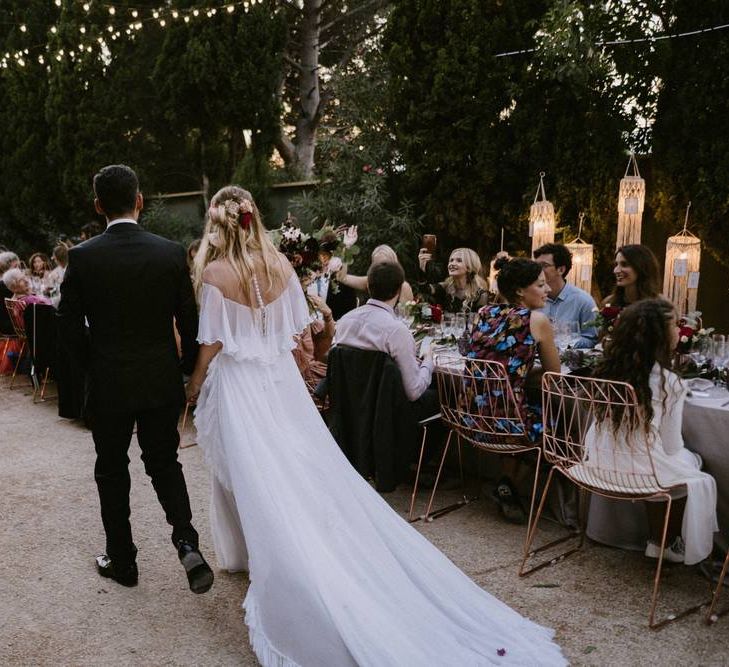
{"x": 129, "y": 285}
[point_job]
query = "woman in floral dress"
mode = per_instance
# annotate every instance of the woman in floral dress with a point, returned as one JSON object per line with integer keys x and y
{"x": 514, "y": 333}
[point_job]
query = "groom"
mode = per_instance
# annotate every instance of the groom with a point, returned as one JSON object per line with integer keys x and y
{"x": 128, "y": 285}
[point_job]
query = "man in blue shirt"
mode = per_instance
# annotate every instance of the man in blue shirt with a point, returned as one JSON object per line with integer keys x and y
{"x": 566, "y": 303}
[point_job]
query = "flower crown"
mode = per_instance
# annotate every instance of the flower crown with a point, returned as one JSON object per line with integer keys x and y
{"x": 240, "y": 211}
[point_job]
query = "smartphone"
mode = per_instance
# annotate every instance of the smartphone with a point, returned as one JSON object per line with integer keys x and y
{"x": 429, "y": 242}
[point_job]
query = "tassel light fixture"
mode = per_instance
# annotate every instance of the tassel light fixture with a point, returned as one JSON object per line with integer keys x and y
{"x": 631, "y": 201}
{"x": 541, "y": 218}
{"x": 681, "y": 272}
{"x": 582, "y": 253}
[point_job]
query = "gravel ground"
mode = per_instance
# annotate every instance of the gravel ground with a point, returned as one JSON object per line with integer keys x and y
{"x": 55, "y": 609}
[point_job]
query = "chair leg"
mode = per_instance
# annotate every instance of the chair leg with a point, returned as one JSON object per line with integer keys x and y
{"x": 417, "y": 473}
{"x": 652, "y": 623}
{"x": 531, "y": 533}
{"x": 711, "y": 617}
{"x": 17, "y": 364}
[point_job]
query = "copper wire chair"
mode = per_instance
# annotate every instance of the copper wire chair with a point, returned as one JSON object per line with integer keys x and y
{"x": 477, "y": 404}
{"x": 712, "y": 616}
{"x": 15, "y": 310}
{"x": 622, "y": 470}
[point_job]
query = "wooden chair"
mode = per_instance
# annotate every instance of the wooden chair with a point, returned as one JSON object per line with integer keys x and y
{"x": 15, "y": 309}
{"x": 477, "y": 404}
{"x": 624, "y": 471}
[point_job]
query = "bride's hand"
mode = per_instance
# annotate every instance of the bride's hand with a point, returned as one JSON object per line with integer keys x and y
{"x": 192, "y": 391}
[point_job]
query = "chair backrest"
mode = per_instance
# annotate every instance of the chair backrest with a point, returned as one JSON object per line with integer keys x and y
{"x": 478, "y": 403}
{"x": 587, "y": 434}
{"x": 369, "y": 414}
{"x": 15, "y": 310}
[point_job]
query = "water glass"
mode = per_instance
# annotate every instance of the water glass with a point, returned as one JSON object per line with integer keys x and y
{"x": 447, "y": 325}
{"x": 459, "y": 324}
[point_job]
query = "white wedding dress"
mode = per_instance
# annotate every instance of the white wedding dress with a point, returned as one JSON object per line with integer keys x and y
{"x": 337, "y": 577}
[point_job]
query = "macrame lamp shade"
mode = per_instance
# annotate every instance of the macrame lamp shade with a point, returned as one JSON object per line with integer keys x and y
{"x": 581, "y": 273}
{"x": 631, "y": 201}
{"x": 681, "y": 273}
{"x": 541, "y": 218}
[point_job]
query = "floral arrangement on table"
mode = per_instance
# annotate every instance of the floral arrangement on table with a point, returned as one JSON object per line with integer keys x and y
{"x": 691, "y": 333}
{"x": 605, "y": 319}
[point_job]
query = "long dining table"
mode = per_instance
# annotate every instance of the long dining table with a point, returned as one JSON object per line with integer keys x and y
{"x": 705, "y": 431}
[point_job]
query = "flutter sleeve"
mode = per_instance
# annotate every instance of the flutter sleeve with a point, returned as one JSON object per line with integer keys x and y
{"x": 215, "y": 325}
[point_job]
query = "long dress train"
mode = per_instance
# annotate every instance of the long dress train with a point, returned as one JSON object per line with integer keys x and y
{"x": 337, "y": 577}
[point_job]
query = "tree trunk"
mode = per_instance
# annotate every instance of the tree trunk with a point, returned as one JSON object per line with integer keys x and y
{"x": 309, "y": 94}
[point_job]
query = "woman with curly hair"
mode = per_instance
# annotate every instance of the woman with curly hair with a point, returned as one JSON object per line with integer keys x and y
{"x": 640, "y": 353}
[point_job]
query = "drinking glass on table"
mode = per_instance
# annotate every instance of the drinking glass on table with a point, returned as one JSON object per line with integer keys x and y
{"x": 459, "y": 324}
{"x": 561, "y": 335}
{"x": 447, "y": 325}
{"x": 573, "y": 332}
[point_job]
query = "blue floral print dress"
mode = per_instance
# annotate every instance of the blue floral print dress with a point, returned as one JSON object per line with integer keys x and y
{"x": 503, "y": 333}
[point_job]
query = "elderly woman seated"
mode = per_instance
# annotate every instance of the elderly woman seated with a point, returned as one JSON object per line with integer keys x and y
{"x": 19, "y": 284}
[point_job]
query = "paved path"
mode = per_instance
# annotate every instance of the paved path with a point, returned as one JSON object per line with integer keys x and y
{"x": 55, "y": 610}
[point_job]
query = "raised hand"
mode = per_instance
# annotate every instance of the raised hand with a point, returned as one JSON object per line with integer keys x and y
{"x": 423, "y": 258}
{"x": 350, "y": 236}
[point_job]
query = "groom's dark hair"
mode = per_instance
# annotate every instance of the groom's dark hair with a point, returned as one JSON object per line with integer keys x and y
{"x": 116, "y": 187}
{"x": 384, "y": 280}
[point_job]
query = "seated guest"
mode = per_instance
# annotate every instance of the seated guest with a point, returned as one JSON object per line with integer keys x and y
{"x": 374, "y": 326}
{"x": 464, "y": 290}
{"x": 382, "y": 253}
{"x": 55, "y": 277}
{"x": 565, "y": 302}
{"x": 89, "y": 230}
{"x": 640, "y": 353}
{"x": 39, "y": 267}
{"x": 515, "y": 333}
{"x": 312, "y": 345}
{"x": 8, "y": 260}
{"x": 19, "y": 284}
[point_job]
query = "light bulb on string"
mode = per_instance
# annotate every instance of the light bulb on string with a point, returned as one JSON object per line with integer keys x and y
{"x": 87, "y": 6}
{"x": 23, "y": 28}
{"x": 82, "y": 29}
{"x": 175, "y": 14}
{"x": 162, "y": 23}
{"x": 112, "y": 11}
{"x": 58, "y": 4}
{"x": 230, "y": 9}
{"x": 135, "y": 13}
{"x": 195, "y": 12}
{"x": 54, "y": 30}
{"x": 187, "y": 19}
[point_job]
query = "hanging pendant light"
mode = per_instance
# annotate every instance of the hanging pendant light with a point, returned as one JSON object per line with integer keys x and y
{"x": 631, "y": 201}
{"x": 681, "y": 272}
{"x": 582, "y": 253}
{"x": 541, "y": 218}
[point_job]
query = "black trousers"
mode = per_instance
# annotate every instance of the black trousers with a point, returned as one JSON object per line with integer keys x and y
{"x": 158, "y": 439}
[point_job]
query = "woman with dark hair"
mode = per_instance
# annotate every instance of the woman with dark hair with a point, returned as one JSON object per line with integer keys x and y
{"x": 515, "y": 333}
{"x": 640, "y": 353}
{"x": 39, "y": 268}
{"x": 637, "y": 276}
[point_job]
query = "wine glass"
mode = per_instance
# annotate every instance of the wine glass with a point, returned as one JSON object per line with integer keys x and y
{"x": 561, "y": 335}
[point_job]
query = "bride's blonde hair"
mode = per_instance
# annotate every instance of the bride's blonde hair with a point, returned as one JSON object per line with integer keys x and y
{"x": 234, "y": 232}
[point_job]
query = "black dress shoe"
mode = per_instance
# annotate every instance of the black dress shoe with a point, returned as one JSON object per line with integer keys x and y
{"x": 199, "y": 575}
{"x": 126, "y": 576}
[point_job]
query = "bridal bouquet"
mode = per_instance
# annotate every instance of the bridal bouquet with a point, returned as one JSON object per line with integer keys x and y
{"x": 300, "y": 248}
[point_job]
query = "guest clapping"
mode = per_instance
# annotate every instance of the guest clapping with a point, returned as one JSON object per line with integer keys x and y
{"x": 640, "y": 353}
{"x": 464, "y": 289}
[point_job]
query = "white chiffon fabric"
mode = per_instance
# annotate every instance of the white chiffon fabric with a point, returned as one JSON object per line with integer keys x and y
{"x": 337, "y": 577}
{"x": 672, "y": 462}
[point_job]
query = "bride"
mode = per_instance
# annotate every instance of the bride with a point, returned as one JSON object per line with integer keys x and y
{"x": 337, "y": 577}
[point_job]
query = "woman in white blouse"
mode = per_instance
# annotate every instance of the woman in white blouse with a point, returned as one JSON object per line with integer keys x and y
{"x": 640, "y": 353}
